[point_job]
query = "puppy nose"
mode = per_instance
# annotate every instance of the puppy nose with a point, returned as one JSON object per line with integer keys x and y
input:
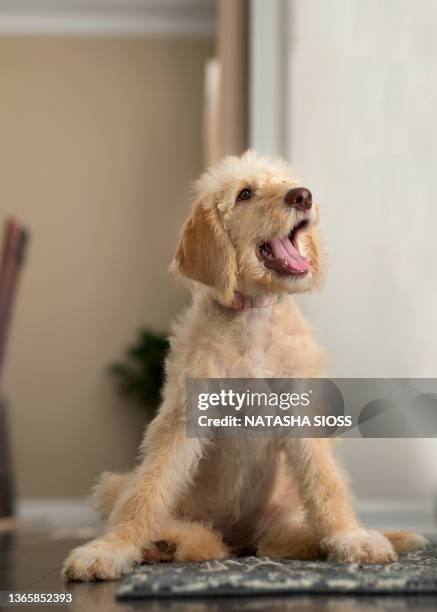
{"x": 300, "y": 198}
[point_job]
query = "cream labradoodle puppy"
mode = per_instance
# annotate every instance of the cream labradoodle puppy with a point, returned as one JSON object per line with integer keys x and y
{"x": 250, "y": 239}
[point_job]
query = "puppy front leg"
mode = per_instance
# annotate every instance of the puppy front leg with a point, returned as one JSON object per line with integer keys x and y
{"x": 328, "y": 506}
{"x": 170, "y": 459}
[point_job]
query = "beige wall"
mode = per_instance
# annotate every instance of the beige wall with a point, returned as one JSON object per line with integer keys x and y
{"x": 99, "y": 142}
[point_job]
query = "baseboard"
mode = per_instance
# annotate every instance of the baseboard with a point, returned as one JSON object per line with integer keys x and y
{"x": 76, "y": 513}
{"x": 416, "y": 516}
{"x": 57, "y": 513}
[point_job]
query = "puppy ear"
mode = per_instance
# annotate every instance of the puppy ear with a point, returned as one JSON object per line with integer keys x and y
{"x": 205, "y": 252}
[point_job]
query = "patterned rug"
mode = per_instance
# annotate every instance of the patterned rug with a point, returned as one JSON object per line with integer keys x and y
{"x": 415, "y": 573}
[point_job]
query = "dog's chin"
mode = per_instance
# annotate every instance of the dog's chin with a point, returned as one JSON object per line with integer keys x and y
{"x": 261, "y": 280}
{"x": 302, "y": 284}
{"x": 275, "y": 282}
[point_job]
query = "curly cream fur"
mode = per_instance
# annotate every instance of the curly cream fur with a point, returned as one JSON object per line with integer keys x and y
{"x": 200, "y": 498}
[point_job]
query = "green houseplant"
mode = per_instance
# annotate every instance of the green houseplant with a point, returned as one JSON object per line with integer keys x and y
{"x": 140, "y": 374}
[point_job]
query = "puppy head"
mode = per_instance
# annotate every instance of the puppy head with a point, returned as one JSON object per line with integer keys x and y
{"x": 253, "y": 229}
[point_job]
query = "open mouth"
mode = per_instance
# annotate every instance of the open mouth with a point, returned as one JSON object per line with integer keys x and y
{"x": 282, "y": 254}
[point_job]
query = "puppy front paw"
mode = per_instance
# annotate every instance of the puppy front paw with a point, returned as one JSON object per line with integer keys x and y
{"x": 100, "y": 560}
{"x": 359, "y": 546}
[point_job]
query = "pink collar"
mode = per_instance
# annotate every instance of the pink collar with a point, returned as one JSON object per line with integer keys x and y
{"x": 245, "y": 302}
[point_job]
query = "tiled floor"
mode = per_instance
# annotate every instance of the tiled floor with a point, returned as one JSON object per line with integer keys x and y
{"x": 30, "y": 560}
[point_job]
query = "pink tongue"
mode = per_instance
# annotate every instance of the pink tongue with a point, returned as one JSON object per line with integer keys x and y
{"x": 284, "y": 251}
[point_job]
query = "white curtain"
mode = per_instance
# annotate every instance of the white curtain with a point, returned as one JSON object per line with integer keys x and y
{"x": 362, "y": 127}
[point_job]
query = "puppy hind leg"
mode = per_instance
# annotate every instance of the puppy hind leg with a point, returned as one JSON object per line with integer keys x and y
{"x": 186, "y": 541}
{"x": 289, "y": 538}
{"x": 405, "y": 541}
{"x": 106, "y": 492}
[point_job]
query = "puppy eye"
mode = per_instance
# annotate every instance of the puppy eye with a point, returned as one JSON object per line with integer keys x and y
{"x": 245, "y": 194}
